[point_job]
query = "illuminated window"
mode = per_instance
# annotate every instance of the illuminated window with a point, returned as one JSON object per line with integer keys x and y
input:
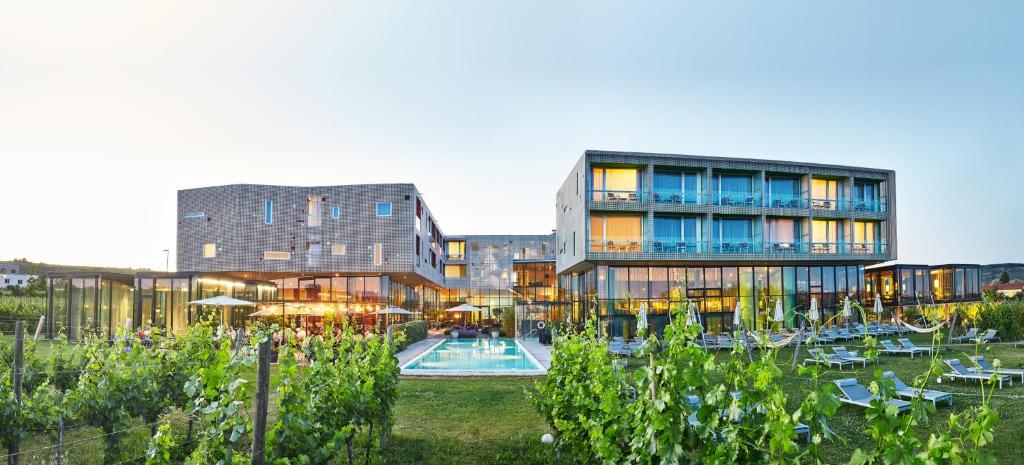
{"x": 338, "y": 249}
{"x": 378, "y": 254}
{"x": 455, "y": 271}
{"x": 313, "y": 211}
{"x": 456, "y": 250}
{"x": 616, "y": 233}
{"x": 383, "y": 208}
{"x": 209, "y": 250}
{"x": 269, "y": 255}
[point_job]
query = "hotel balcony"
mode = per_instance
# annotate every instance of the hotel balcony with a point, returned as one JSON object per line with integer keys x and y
{"x": 617, "y": 197}
{"x": 738, "y": 246}
{"x": 678, "y": 196}
{"x": 786, "y": 201}
{"x": 737, "y": 198}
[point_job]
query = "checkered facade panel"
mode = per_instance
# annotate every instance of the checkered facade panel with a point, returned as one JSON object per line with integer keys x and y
{"x": 368, "y": 229}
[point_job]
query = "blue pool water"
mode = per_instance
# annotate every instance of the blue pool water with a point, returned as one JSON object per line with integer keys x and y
{"x": 475, "y": 355}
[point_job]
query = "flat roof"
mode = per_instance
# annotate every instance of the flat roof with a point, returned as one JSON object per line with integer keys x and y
{"x": 735, "y": 159}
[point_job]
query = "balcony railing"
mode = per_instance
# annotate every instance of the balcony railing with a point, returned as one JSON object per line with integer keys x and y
{"x": 784, "y": 247}
{"x": 743, "y": 199}
{"x": 676, "y": 245}
{"x": 827, "y": 204}
{"x": 617, "y": 246}
{"x": 786, "y": 201}
{"x": 738, "y": 246}
{"x": 677, "y": 196}
{"x": 456, "y": 257}
{"x": 867, "y": 205}
{"x": 613, "y": 196}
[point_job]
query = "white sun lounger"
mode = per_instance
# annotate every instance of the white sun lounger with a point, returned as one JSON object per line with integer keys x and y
{"x": 819, "y": 356}
{"x": 964, "y": 373}
{"x": 908, "y": 392}
{"x": 855, "y": 394}
{"x": 987, "y": 367}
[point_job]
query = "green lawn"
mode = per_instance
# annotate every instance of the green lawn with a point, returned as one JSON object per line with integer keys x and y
{"x": 489, "y": 420}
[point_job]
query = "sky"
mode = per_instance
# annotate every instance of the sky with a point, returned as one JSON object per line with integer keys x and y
{"x": 107, "y": 108}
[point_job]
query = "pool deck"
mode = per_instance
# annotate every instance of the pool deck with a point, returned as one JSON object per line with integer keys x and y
{"x": 539, "y": 352}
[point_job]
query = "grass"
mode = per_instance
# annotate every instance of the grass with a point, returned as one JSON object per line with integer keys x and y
{"x": 489, "y": 420}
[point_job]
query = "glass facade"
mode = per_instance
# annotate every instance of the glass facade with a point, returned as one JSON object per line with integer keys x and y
{"x": 615, "y": 294}
{"x": 900, "y": 285}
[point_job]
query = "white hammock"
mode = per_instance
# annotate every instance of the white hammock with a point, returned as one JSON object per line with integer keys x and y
{"x": 920, "y": 330}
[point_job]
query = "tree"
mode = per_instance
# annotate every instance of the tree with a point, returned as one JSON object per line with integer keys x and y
{"x": 1004, "y": 277}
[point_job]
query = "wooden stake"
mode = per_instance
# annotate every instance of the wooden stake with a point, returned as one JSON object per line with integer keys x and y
{"x": 16, "y": 375}
{"x": 259, "y": 428}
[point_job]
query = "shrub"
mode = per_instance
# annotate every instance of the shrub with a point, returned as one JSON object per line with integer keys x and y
{"x": 413, "y": 331}
{"x": 1006, "y": 316}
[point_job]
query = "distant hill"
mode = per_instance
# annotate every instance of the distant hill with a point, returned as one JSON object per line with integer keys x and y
{"x": 28, "y": 267}
{"x": 990, "y": 273}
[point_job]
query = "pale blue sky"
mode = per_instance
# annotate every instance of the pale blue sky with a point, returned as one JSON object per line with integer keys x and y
{"x": 107, "y": 108}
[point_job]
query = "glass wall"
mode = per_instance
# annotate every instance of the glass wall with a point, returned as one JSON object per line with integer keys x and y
{"x": 615, "y": 184}
{"x": 826, "y": 194}
{"x": 616, "y": 294}
{"x": 616, "y": 233}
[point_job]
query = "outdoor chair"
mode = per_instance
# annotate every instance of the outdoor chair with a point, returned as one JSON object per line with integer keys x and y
{"x": 908, "y": 392}
{"x": 913, "y": 348}
{"x": 821, "y": 357}
{"x": 989, "y": 336}
{"x": 888, "y": 347}
{"x": 855, "y": 394}
{"x": 851, "y": 356}
{"x": 708, "y": 341}
{"x": 847, "y": 334}
{"x": 986, "y": 367}
{"x": 964, "y": 373}
{"x": 969, "y": 336}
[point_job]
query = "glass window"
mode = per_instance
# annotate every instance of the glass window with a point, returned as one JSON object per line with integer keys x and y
{"x": 659, "y": 283}
{"x": 782, "y": 230}
{"x": 337, "y": 249}
{"x": 272, "y": 255}
{"x": 378, "y": 254}
{"x": 454, "y": 271}
{"x": 732, "y": 229}
{"x": 826, "y": 235}
{"x": 268, "y": 212}
{"x": 619, "y": 284}
{"x": 616, "y": 179}
{"x": 865, "y": 231}
{"x": 616, "y": 233}
{"x": 783, "y": 188}
{"x": 825, "y": 189}
{"x": 209, "y": 250}
{"x": 668, "y": 228}
{"x": 735, "y": 183}
{"x": 313, "y": 210}
{"x": 638, "y": 282}
{"x": 335, "y": 212}
{"x": 339, "y": 289}
{"x": 664, "y": 181}
{"x": 456, "y": 250}
{"x": 383, "y": 208}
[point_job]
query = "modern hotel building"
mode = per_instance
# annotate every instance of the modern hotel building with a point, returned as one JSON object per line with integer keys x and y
{"x": 632, "y": 230}
{"x": 655, "y": 230}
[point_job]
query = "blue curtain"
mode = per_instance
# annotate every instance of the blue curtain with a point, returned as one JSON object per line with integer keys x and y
{"x": 667, "y": 228}
{"x": 784, "y": 187}
{"x": 667, "y": 181}
{"x": 734, "y": 183}
{"x": 734, "y": 229}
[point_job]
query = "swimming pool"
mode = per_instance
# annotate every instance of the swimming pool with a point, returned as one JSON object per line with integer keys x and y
{"x": 500, "y": 356}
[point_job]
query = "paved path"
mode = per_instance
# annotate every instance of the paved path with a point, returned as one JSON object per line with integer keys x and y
{"x": 415, "y": 349}
{"x": 539, "y": 351}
